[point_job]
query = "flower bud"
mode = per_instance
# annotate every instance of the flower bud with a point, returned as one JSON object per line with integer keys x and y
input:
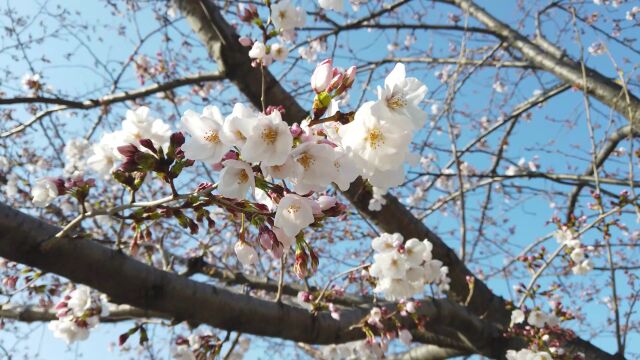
{"x": 322, "y": 76}
{"x": 148, "y": 144}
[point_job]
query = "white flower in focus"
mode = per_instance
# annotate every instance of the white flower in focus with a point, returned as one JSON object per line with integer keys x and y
{"x": 279, "y": 52}
{"x": 43, "y": 192}
{"x": 286, "y": 170}
{"x": 517, "y": 317}
{"x": 315, "y": 168}
{"x": 246, "y": 254}
{"x": 401, "y": 96}
{"x": 345, "y": 169}
{"x": 205, "y": 143}
{"x": 68, "y": 331}
{"x": 237, "y": 124}
{"x": 287, "y": 17}
{"x": 375, "y": 142}
{"x": 336, "y": 5}
{"x": 293, "y": 214}
{"x": 268, "y": 140}
{"x": 236, "y": 178}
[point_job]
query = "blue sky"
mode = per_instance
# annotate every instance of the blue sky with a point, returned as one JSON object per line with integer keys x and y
{"x": 533, "y": 215}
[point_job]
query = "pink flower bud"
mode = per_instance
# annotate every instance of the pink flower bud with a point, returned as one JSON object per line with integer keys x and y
{"x": 322, "y": 76}
{"x": 349, "y": 77}
{"x": 336, "y": 82}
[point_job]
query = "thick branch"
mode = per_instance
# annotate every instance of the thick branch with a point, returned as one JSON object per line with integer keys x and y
{"x": 128, "y": 281}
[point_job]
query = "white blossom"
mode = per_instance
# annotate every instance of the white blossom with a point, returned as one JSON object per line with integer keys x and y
{"x": 139, "y": 125}
{"x": 236, "y": 125}
{"x": 279, "y": 52}
{"x": 583, "y": 267}
{"x": 287, "y": 17}
{"x": 268, "y": 140}
{"x": 374, "y": 141}
{"x": 315, "y": 168}
{"x": 205, "y": 143}
{"x": 68, "y": 331}
{"x": 401, "y": 96}
{"x": 75, "y": 151}
{"x": 293, "y": 214}
{"x": 43, "y": 192}
{"x": 526, "y": 354}
{"x": 517, "y": 317}
{"x": 236, "y": 178}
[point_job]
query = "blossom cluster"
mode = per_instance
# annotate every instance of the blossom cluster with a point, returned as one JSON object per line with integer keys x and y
{"x": 137, "y": 125}
{"x": 568, "y": 238}
{"x": 526, "y": 354}
{"x": 403, "y": 268}
{"x": 78, "y": 312}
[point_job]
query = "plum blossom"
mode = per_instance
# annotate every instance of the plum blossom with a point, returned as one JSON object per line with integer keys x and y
{"x": 517, "y": 317}
{"x": 236, "y": 179}
{"x": 401, "y": 96}
{"x": 205, "y": 143}
{"x": 293, "y": 214}
{"x": 44, "y": 191}
{"x": 287, "y": 17}
{"x": 268, "y": 140}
